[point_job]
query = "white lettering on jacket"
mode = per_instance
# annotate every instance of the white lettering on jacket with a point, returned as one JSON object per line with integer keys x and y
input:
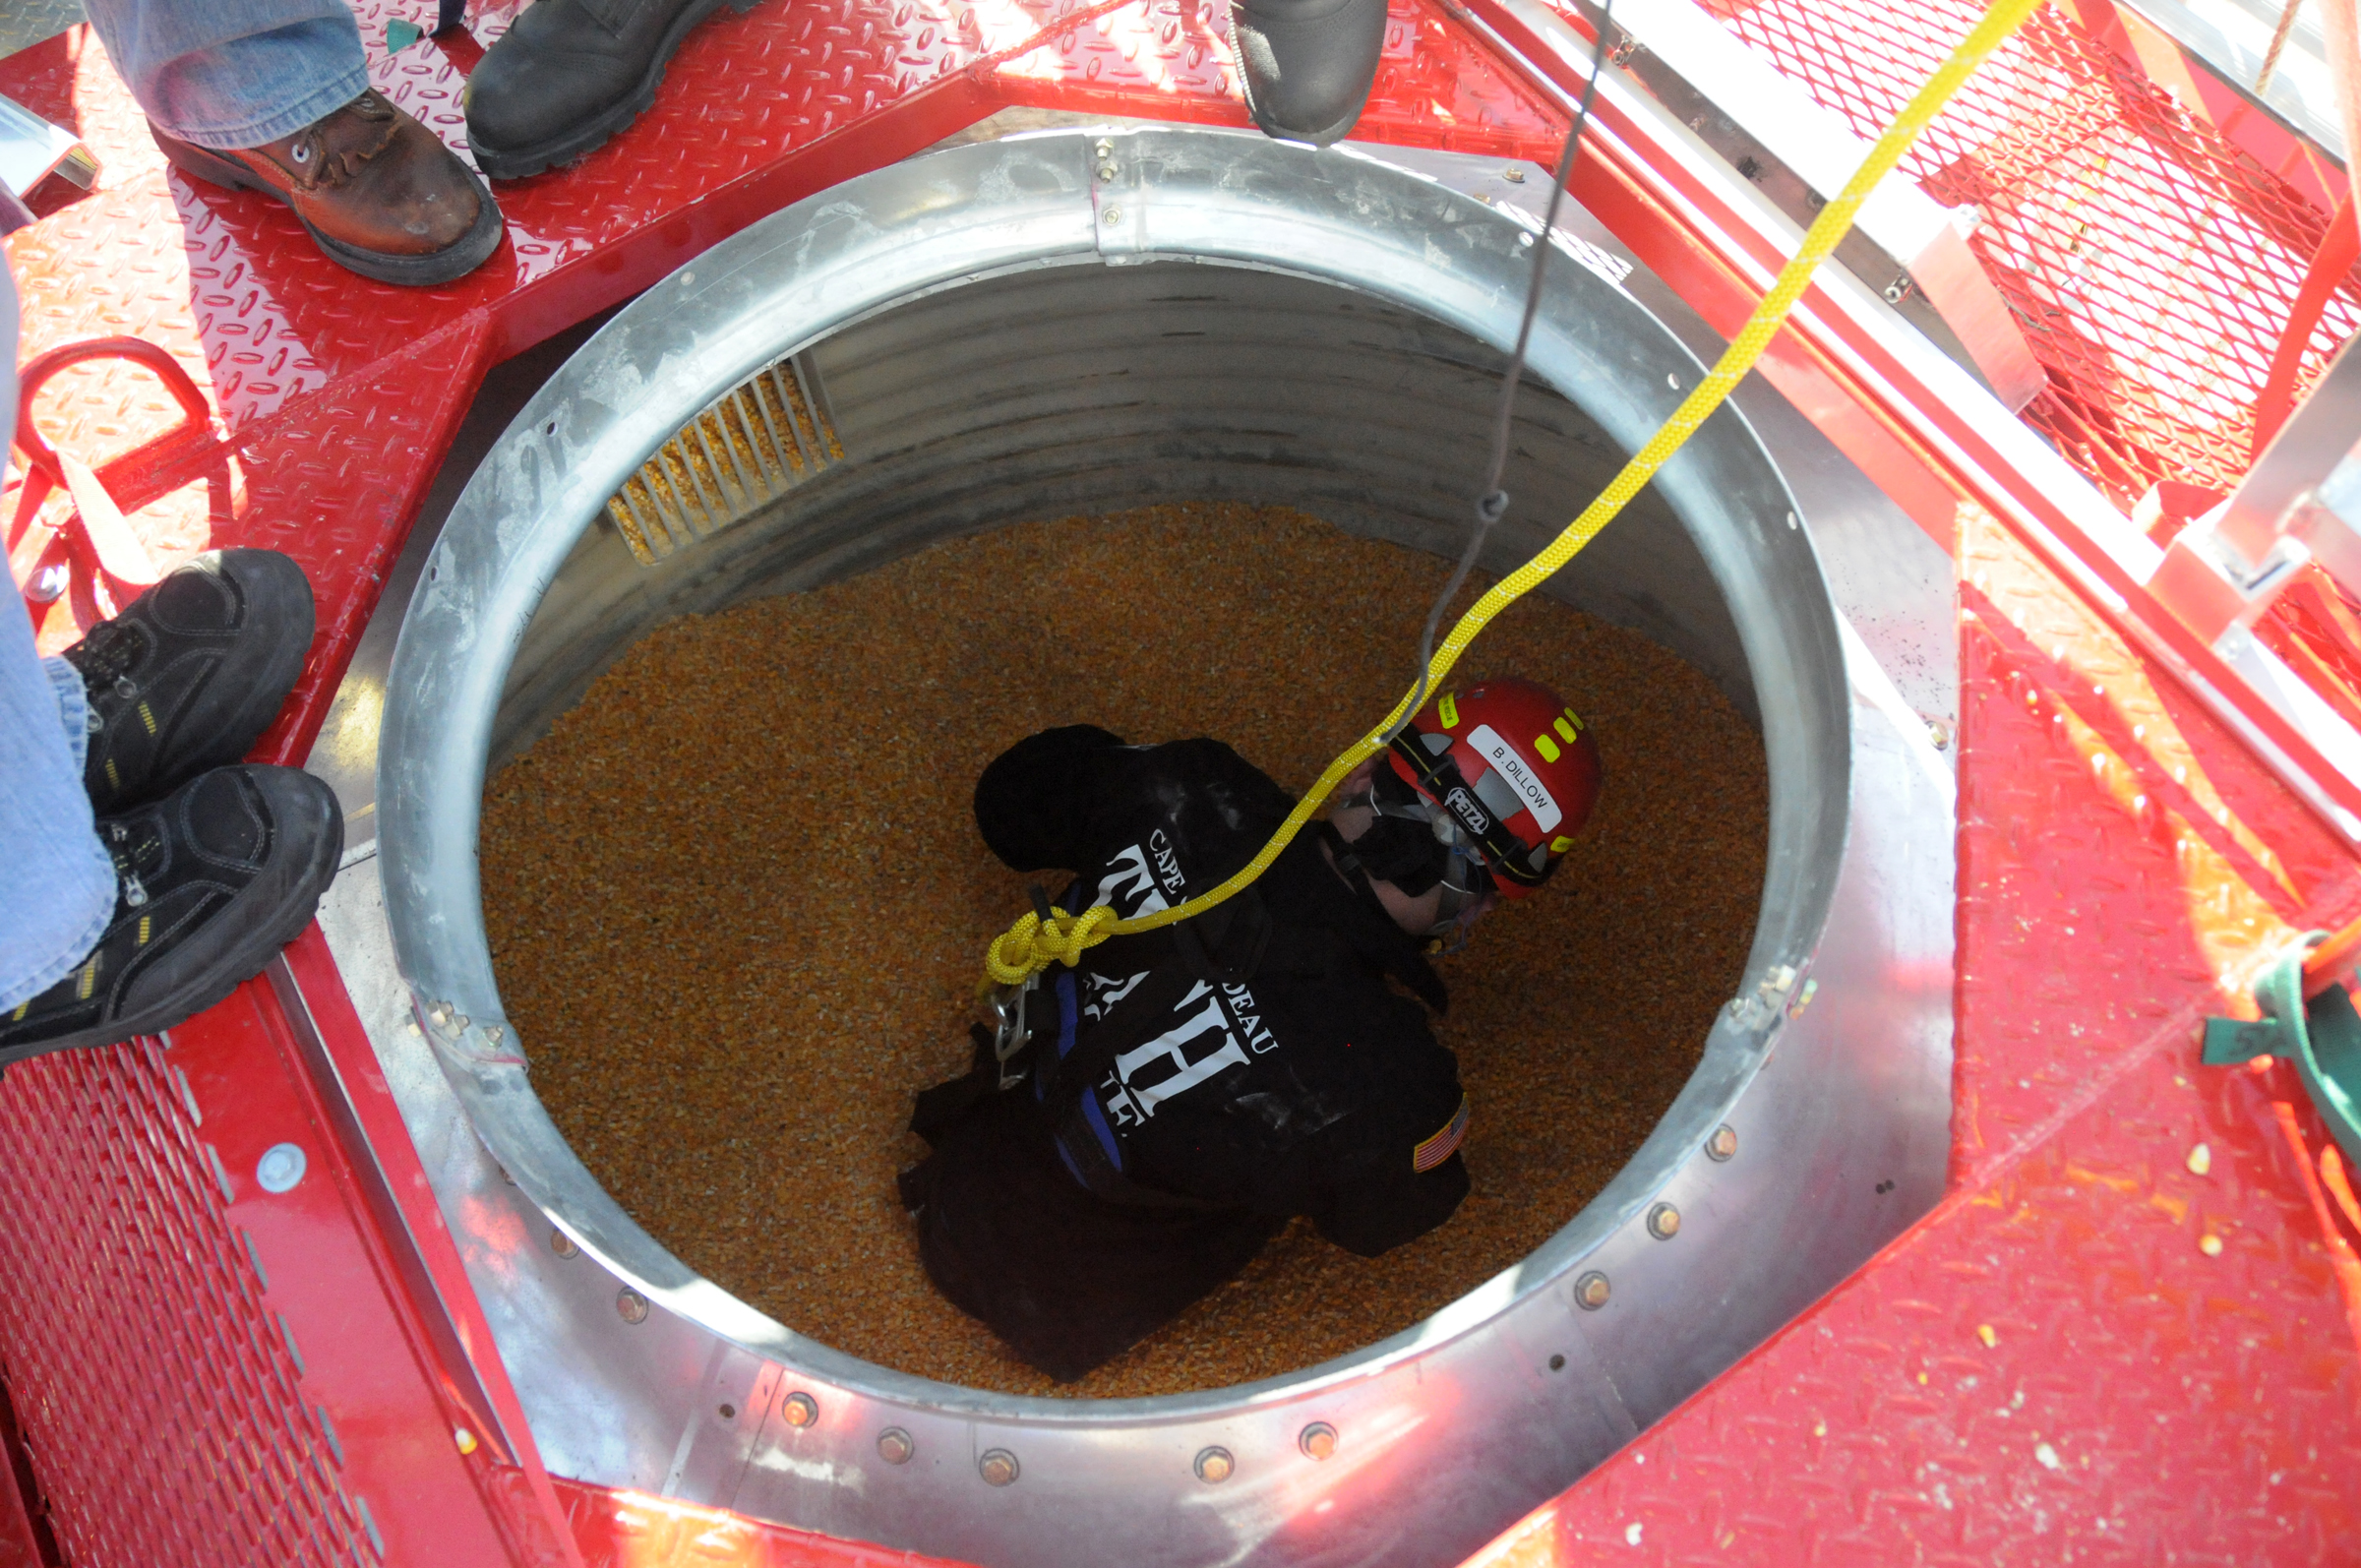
{"x": 1168, "y": 865}
{"x": 1171, "y": 1045}
{"x": 1130, "y": 886}
{"x": 1215, "y": 1022}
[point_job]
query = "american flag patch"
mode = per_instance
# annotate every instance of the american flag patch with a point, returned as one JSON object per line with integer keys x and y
{"x": 1435, "y": 1150}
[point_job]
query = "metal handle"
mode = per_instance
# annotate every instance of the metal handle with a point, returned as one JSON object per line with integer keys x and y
{"x": 38, "y": 369}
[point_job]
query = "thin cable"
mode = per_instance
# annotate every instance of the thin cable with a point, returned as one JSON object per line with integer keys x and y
{"x": 2279, "y": 42}
{"x": 1491, "y": 501}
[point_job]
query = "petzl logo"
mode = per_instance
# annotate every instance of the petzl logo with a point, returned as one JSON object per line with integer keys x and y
{"x": 1464, "y": 807}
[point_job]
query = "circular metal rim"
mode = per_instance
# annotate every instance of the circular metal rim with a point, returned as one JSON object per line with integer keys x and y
{"x": 848, "y": 255}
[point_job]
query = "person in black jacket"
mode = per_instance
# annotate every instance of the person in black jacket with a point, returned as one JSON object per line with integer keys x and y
{"x": 1144, "y": 1122}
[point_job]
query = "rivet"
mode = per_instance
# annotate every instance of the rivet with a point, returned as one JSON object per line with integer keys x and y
{"x": 1514, "y": 175}
{"x": 1319, "y": 1440}
{"x": 1940, "y": 733}
{"x": 280, "y": 1168}
{"x": 1663, "y": 1221}
{"x": 799, "y": 1409}
{"x": 464, "y": 1438}
{"x": 632, "y": 1305}
{"x": 1104, "y": 147}
{"x": 1724, "y": 1144}
{"x": 894, "y": 1446}
{"x": 561, "y": 1244}
{"x": 1557, "y": 1363}
{"x": 1214, "y": 1464}
{"x": 729, "y": 1413}
{"x": 1112, "y": 216}
{"x": 998, "y": 1467}
{"x": 1592, "y": 1291}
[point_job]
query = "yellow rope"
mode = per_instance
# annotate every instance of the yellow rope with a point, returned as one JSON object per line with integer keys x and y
{"x": 1029, "y": 946}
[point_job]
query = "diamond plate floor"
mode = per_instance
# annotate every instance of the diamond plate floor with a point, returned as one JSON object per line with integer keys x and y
{"x": 2091, "y": 1352}
{"x": 25, "y": 22}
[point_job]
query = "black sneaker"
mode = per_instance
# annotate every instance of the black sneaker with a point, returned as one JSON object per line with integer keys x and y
{"x": 1306, "y": 66}
{"x": 569, "y": 74}
{"x": 190, "y": 674}
{"x": 212, "y": 882}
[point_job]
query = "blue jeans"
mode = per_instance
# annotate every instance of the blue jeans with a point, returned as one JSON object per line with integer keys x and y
{"x": 57, "y": 881}
{"x": 233, "y": 72}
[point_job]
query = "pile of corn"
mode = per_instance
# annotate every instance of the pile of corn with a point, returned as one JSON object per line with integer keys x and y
{"x": 737, "y": 906}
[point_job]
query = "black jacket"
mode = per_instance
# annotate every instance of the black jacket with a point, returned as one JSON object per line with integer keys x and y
{"x": 1309, "y": 1086}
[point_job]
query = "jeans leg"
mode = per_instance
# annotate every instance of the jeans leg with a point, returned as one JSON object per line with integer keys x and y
{"x": 57, "y": 881}
{"x": 233, "y": 72}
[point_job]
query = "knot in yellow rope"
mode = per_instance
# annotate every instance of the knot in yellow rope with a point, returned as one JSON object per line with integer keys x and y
{"x": 1029, "y": 946}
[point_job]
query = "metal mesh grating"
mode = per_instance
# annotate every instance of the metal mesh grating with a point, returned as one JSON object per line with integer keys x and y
{"x": 159, "y": 1395}
{"x": 747, "y": 447}
{"x": 2150, "y": 263}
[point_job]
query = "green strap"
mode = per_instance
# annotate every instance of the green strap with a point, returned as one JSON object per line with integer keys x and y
{"x": 2322, "y": 1037}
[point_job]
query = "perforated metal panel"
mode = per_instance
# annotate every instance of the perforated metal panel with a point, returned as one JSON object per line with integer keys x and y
{"x": 2150, "y": 262}
{"x": 747, "y": 447}
{"x": 135, "y": 1309}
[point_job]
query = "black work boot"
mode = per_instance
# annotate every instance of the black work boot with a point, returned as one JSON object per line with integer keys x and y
{"x": 212, "y": 882}
{"x": 1306, "y": 66}
{"x": 192, "y": 671}
{"x": 569, "y": 74}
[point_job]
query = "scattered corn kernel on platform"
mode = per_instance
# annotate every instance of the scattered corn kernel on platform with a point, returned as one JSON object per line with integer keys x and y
{"x": 726, "y": 980}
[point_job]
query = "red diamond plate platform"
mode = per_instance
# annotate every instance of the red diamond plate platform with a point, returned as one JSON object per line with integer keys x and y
{"x": 2048, "y": 1368}
{"x": 2055, "y": 1365}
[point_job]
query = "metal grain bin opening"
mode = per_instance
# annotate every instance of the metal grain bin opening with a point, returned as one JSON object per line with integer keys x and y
{"x": 1063, "y": 324}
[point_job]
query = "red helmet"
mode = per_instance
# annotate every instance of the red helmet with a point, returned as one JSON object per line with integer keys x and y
{"x": 1512, "y": 766}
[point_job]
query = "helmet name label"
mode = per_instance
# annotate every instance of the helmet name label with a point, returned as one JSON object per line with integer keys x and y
{"x": 1511, "y": 765}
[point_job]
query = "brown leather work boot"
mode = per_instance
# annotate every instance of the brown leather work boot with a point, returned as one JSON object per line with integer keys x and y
{"x": 379, "y": 192}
